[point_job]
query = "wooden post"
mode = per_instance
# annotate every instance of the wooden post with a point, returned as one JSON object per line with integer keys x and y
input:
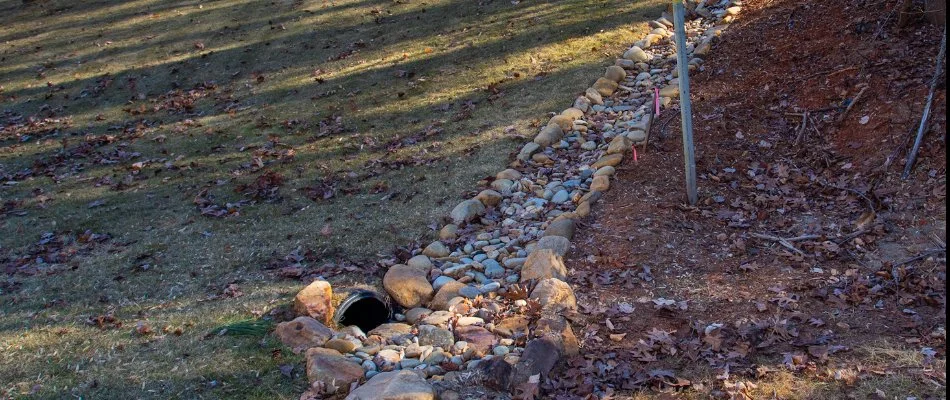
{"x": 686, "y": 109}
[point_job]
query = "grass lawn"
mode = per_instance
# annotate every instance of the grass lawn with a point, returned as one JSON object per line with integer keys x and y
{"x": 157, "y": 156}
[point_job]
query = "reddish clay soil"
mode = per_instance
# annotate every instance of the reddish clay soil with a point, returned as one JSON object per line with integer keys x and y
{"x": 870, "y": 272}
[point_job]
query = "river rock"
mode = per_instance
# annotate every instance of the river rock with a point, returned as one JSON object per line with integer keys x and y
{"x": 563, "y": 122}
{"x": 600, "y": 183}
{"x": 408, "y": 286}
{"x": 582, "y": 103}
{"x": 489, "y": 198}
{"x": 431, "y": 335}
{"x": 391, "y": 332}
{"x": 395, "y": 385}
{"x": 555, "y": 293}
{"x": 415, "y": 315}
{"x": 528, "y": 150}
{"x": 610, "y": 159}
{"x": 420, "y": 262}
{"x": 515, "y": 325}
{"x": 559, "y": 244}
{"x": 342, "y": 345}
{"x": 466, "y": 211}
{"x": 573, "y": 113}
{"x": 449, "y": 232}
{"x": 549, "y": 135}
{"x": 594, "y": 96}
{"x": 479, "y": 339}
{"x": 302, "y": 333}
{"x": 615, "y": 73}
{"x": 671, "y": 91}
{"x": 542, "y": 264}
{"x": 619, "y": 144}
{"x": 605, "y": 170}
{"x": 446, "y": 292}
{"x": 334, "y": 371}
{"x": 605, "y": 87}
{"x": 636, "y": 54}
{"x": 564, "y": 227}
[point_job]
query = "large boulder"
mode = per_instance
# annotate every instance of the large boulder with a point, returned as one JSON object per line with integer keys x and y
{"x": 395, "y": 385}
{"x": 334, "y": 371}
{"x": 407, "y": 285}
{"x": 543, "y": 264}
{"x": 302, "y": 333}
{"x": 315, "y": 301}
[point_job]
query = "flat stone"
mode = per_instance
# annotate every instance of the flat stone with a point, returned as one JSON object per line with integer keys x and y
{"x": 562, "y": 196}
{"x": 582, "y": 103}
{"x": 636, "y": 136}
{"x": 408, "y": 286}
{"x": 392, "y": 332}
{"x": 302, "y": 333}
{"x": 315, "y": 301}
{"x": 466, "y": 211}
{"x": 395, "y": 385}
{"x": 542, "y": 264}
{"x": 512, "y": 326}
{"x": 555, "y": 293}
{"x": 564, "y": 227}
{"x": 611, "y": 159}
{"x": 438, "y": 318}
{"x": 493, "y": 269}
{"x": 334, "y": 371}
{"x": 469, "y": 291}
{"x": 504, "y": 185}
{"x": 583, "y": 209}
{"x": 431, "y": 335}
{"x": 479, "y": 339}
{"x": 559, "y": 244}
{"x": 437, "y": 249}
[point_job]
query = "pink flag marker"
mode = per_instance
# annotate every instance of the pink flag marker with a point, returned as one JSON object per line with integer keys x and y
{"x": 656, "y": 101}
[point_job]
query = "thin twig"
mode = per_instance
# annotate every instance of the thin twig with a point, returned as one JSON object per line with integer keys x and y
{"x": 921, "y": 256}
{"x": 852, "y": 103}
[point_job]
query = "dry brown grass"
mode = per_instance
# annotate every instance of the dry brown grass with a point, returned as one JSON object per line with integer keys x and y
{"x": 277, "y": 72}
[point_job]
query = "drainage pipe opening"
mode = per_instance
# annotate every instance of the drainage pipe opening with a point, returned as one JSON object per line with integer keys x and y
{"x": 365, "y": 309}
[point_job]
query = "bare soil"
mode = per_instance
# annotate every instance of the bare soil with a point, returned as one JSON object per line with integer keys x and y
{"x": 699, "y": 301}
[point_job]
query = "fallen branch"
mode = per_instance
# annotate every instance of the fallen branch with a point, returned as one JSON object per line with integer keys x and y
{"x": 921, "y": 256}
{"x": 787, "y": 243}
{"x": 930, "y": 98}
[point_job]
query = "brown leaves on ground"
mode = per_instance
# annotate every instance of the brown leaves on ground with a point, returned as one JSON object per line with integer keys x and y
{"x": 53, "y": 253}
{"x": 206, "y": 205}
{"x": 266, "y": 187}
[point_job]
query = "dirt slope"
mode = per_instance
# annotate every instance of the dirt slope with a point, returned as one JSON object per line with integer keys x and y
{"x": 704, "y": 301}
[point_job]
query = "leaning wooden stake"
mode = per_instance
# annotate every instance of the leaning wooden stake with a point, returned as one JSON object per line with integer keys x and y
{"x": 930, "y": 97}
{"x": 686, "y": 109}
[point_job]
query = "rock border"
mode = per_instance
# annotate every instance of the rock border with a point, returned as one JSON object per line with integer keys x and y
{"x": 502, "y": 253}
